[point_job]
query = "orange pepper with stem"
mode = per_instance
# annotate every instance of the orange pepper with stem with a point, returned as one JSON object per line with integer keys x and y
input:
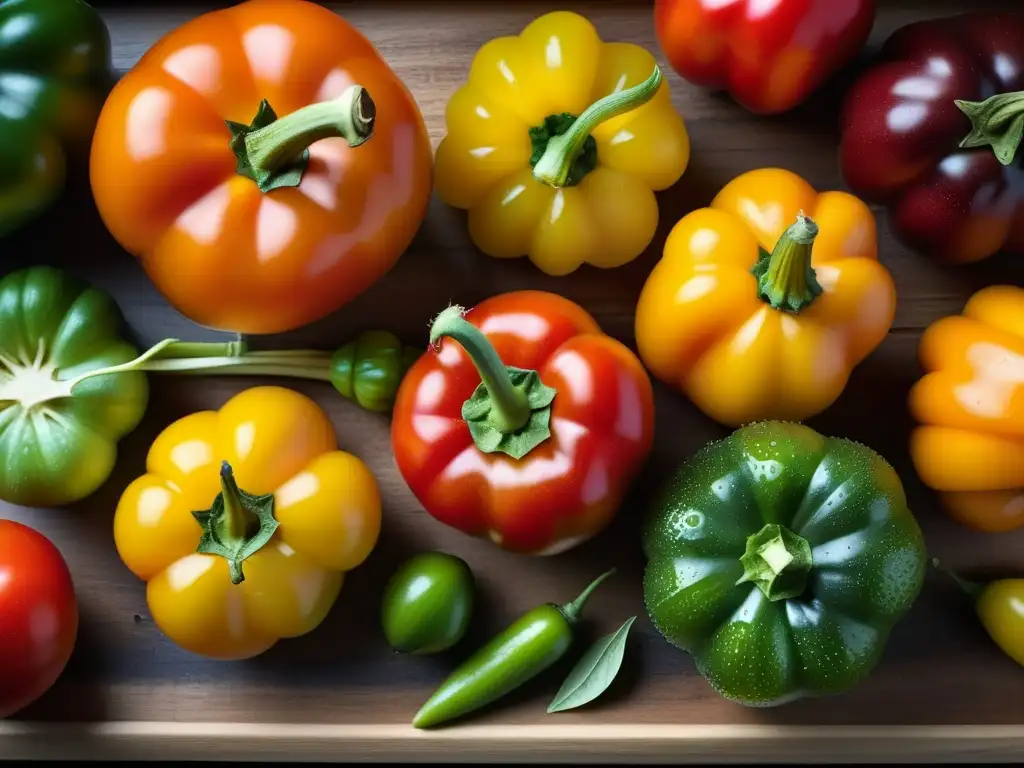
{"x": 264, "y": 164}
{"x": 763, "y": 303}
{"x": 970, "y": 405}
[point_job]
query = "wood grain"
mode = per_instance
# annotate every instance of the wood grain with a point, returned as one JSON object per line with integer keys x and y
{"x": 940, "y": 669}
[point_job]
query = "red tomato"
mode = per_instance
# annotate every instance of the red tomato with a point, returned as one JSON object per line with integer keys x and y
{"x": 38, "y": 615}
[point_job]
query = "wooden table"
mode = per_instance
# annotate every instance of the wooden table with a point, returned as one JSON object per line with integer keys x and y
{"x": 942, "y": 691}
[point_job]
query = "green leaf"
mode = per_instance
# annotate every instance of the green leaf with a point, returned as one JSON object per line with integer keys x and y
{"x": 594, "y": 672}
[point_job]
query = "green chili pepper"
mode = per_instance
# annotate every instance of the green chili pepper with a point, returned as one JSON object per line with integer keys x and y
{"x": 529, "y": 646}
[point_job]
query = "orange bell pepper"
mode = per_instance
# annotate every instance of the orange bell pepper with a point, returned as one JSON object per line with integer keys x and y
{"x": 246, "y": 222}
{"x": 264, "y": 562}
{"x": 758, "y": 311}
{"x": 970, "y": 402}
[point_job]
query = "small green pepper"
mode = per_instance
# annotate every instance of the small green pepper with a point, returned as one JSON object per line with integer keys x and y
{"x": 428, "y": 603}
{"x": 369, "y": 369}
{"x": 521, "y": 652}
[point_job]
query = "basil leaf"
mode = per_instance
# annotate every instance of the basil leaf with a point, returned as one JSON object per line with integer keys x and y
{"x": 594, "y": 672}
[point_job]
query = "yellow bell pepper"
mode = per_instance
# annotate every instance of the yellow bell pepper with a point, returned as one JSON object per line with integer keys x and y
{"x": 556, "y": 144}
{"x": 763, "y": 303}
{"x": 262, "y": 563}
{"x": 970, "y": 405}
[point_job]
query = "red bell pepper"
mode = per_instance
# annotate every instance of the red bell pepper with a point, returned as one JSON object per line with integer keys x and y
{"x": 932, "y": 131}
{"x": 769, "y": 54}
{"x": 523, "y": 423}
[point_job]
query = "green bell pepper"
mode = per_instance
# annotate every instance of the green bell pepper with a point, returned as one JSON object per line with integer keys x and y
{"x": 780, "y": 560}
{"x": 55, "y": 72}
{"x": 71, "y": 387}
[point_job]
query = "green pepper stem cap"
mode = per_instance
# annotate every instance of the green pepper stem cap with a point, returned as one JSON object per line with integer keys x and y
{"x": 274, "y": 151}
{"x": 554, "y": 166}
{"x": 778, "y": 561}
{"x": 998, "y": 122}
{"x": 970, "y": 588}
{"x": 237, "y": 525}
{"x": 785, "y": 277}
{"x": 510, "y": 411}
{"x": 572, "y": 611}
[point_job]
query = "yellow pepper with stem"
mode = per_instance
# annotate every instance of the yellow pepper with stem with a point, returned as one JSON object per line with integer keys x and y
{"x": 764, "y": 302}
{"x": 286, "y": 515}
{"x": 556, "y": 145}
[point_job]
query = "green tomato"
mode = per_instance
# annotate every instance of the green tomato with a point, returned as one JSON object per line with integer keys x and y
{"x": 780, "y": 560}
{"x": 57, "y": 447}
{"x": 428, "y": 603}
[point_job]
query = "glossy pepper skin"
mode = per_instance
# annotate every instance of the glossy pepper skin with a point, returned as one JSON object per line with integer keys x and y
{"x": 969, "y": 444}
{"x": 908, "y": 142}
{"x": 508, "y": 159}
{"x": 539, "y": 474}
{"x": 56, "y": 68}
{"x": 780, "y": 560}
{"x": 262, "y": 230}
{"x": 736, "y": 318}
{"x": 229, "y": 583}
{"x": 770, "y": 56}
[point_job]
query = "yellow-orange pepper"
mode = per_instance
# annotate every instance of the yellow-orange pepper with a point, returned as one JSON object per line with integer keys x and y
{"x": 556, "y": 144}
{"x": 265, "y": 562}
{"x": 763, "y": 303}
{"x": 970, "y": 402}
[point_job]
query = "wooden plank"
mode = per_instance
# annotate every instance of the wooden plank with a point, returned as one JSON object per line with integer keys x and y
{"x": 948, "y": 690}
{"x": 639, "y": 744}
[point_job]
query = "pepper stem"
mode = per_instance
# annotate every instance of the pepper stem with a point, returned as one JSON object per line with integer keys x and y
{"x": 562, "y": 150}
{"x": 510, "y": 411}
{"x": 509, "y": 408}
{"x": 350, "y": 116}
{"x": 998, "y": 121}
{"x": 235, "y": 522}
{"x": 186, "y": 352}
{"x": 785, "y": 277}
{"x": 237, "y": 525}
{"x": 778, "y": 561}
{"x": 368, "y": 369}
{"x": 573, "y": 610}
{"x": 970, "y": 588}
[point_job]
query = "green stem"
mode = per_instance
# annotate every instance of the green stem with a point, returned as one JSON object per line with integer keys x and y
{"x": 198, "y": 358}
{"x": 237, "y": 525}
{"x": 367, "y": 369}
{"x": 998, "y": 122}
{"x": 778, "y": 561}
{"x": 554, "y": 165}
{"x": 350, "y": 116}
{"x": 573, "y": 610}
{"x": 785, "y": 278}
{"x": 970, "y": 588}
{"x": 234, "y": 524}
{"x": 510, "y": 409}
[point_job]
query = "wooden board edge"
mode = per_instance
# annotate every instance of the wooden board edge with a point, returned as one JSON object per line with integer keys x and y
{"x": 602, "y": 743}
